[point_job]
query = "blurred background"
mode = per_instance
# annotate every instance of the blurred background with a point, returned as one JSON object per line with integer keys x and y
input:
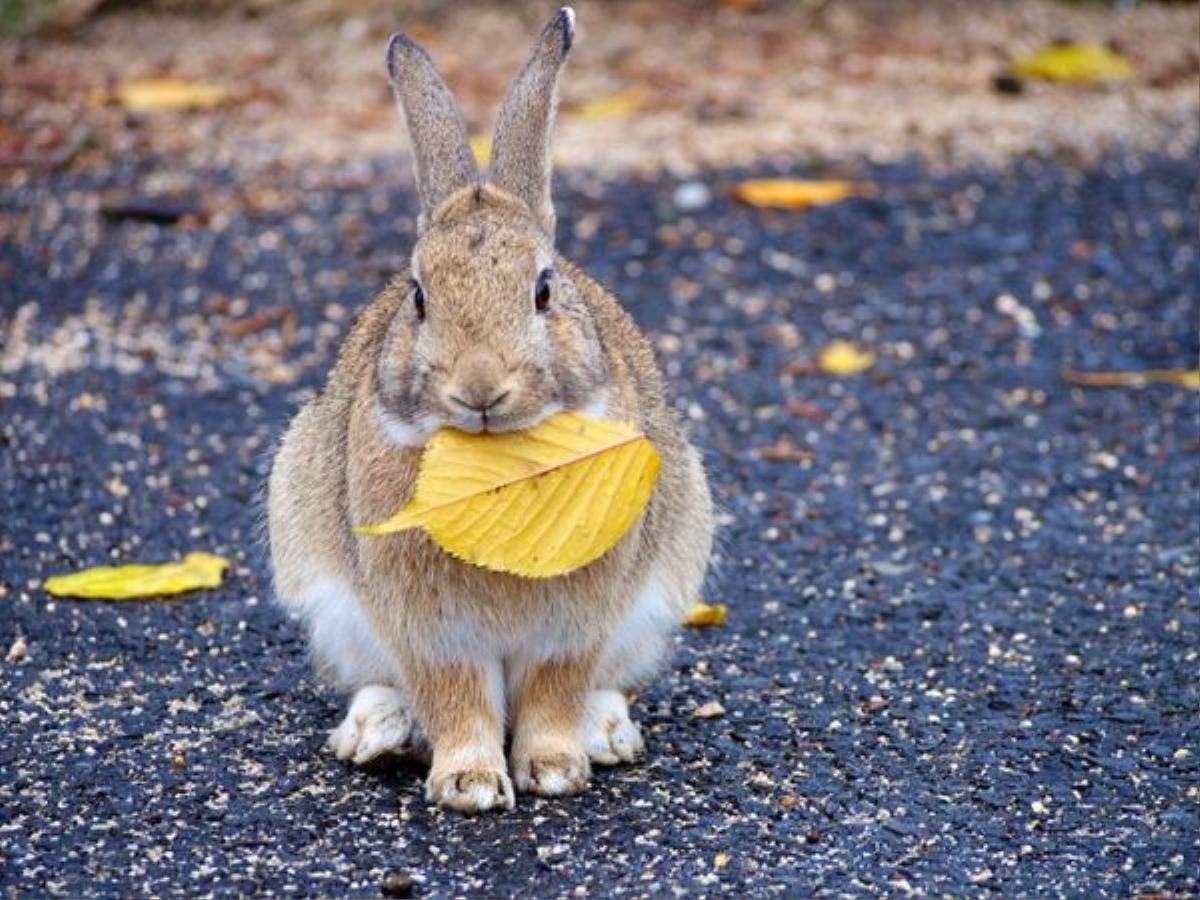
{"x": 679, "y": 84}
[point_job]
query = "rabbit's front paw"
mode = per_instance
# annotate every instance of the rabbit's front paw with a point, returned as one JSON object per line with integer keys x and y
{"x": 551, "y": 771}
{"x": 607, "y": 732}
{"x": 470, "y": 789}
{"x": 376, "y": 723}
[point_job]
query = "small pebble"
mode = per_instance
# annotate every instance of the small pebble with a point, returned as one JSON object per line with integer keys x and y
{"x": 710, "y": 710}
{"x": 692, "y": 195}
{"x": 17, "y": 652}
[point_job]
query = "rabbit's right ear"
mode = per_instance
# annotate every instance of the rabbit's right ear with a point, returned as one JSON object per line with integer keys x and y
{"x": 521, "y": 149}
{"x": 436, "y": 129}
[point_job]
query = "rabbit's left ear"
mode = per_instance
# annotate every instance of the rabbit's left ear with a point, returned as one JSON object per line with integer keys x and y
{"x": 521, "y": 148}
{"x": 443, "y": 157}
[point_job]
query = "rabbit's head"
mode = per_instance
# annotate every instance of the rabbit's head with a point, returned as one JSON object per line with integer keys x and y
{"x": 492, "y": 334}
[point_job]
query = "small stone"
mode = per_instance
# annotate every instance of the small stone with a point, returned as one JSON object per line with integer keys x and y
{"x": 710, "y": 710}
{"x": 178, "y": 762}
{"x": 721, "y": 860}
{"x": 692, "y": 195}
{"x": 762, "y": 781}
{"x": 397, "y": 884}
{"x": 1008, "y": 83}
{"x": 873, "y": 705}
{"x": 17, "y": 652}
{"x": 1181, "y": 754}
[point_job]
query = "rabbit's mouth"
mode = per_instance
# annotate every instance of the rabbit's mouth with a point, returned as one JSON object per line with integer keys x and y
{"x": 502, "y": 420}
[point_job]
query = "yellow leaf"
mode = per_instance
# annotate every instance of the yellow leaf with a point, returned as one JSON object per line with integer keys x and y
{"x": 1187, "y": 378}
{"x": 1074, "y": 64}
{"x": 703, "y": 615}
{"x": 614, "y": 106}
{"x": 843, "y": 358}
{"x": 537, "y": 503}
{"x": 481, "y": 149}
{"x": 136, "y": 582}
{"x": 794, "y": 193}
{"x": 147, "y": 95}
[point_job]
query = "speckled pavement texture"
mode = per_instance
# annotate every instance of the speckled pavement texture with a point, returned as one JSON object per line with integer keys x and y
{"x": 964, "y": 629}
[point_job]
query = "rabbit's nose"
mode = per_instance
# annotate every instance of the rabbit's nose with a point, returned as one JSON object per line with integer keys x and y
{"x": 475, "y": 404}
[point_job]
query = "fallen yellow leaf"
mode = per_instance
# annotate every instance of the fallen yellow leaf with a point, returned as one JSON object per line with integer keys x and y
{"x": 794, "y": 193}
{"x": 704, "y": 615}
{"x": 614, "y": 106}
{"x": 147, "y": 95}
{"x": 1188, "y": 378}
{"x": 1074, "y": 64}
{"x": 537, "y": 503}
{"x": 136, "y": 582}
{"x": 481, "y": 149}
{"x": 843, "y": 358}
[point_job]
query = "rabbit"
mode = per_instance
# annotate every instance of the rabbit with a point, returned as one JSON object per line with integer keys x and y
{"x": 488, "y": 331}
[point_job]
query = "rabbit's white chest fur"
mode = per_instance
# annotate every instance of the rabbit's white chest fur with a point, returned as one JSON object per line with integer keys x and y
{"x": 350, "y": 654}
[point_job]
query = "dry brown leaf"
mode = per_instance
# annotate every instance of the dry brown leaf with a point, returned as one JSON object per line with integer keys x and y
{"x": 783, "y": 450}
{"x": 1187, "y": 378}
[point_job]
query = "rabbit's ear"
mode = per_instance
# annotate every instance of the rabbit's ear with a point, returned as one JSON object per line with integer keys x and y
{"x": 521, "y": 148}
{"x": 436, "y": 128}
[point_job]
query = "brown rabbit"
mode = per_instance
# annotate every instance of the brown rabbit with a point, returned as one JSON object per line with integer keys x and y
{"x": 489, "y": 330}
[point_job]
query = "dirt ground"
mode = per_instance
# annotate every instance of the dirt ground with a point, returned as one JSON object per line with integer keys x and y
{"x": 653, "y": 85}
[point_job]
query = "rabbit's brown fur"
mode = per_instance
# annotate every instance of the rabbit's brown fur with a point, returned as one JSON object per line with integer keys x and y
{"x": 435, "y": 650}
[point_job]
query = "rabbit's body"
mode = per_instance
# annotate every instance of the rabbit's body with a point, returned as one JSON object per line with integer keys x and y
{"x": 435, "y": 649}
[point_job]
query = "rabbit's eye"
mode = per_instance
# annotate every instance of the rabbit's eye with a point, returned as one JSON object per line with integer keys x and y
{"x": 418, "y": 296}
{"x": 541, "y": 293}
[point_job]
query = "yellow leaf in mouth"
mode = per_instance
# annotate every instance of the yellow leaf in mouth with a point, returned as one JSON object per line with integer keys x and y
{"x": 704, "y": 615}
{"x": 844, "y": 358}
{"x": 537, "y": 503}
{"x": 148, "y": 95}
{"x": 793, "y": 193}
{"x": 136, "y": 582}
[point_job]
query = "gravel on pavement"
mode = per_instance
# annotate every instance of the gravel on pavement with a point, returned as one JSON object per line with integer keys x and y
{"x": 962, "y": 645}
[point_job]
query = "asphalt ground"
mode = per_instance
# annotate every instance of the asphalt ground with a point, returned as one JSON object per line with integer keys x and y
{"x": 962, "y": 647}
